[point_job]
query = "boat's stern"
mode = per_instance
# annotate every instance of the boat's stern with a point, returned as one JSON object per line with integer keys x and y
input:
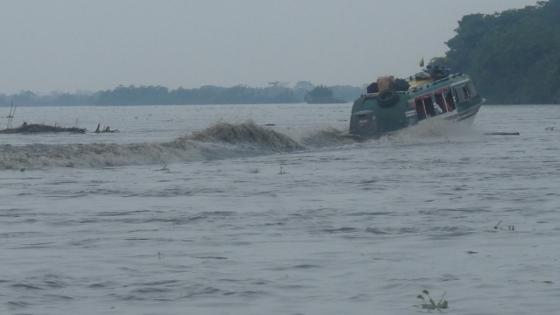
{"x": 376, "y": 114}
{"x": 363, "y": 123}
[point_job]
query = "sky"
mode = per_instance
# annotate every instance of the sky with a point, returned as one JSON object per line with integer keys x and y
{"x": 84, "y": 45}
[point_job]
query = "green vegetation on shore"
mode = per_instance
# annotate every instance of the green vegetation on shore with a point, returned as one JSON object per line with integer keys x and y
{"x": 512, "y": 56}
{"x": 159, "y": 95}
{"x": 321, "y": 95}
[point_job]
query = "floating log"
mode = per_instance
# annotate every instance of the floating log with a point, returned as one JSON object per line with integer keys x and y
{"x": 502, "y": 133}
{"x": 40, "y": 128}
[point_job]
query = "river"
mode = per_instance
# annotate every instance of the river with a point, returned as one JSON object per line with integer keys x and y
{"x": 281, "y": 214}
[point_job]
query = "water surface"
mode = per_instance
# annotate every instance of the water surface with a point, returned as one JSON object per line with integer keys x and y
{"x": 139, "y": 226}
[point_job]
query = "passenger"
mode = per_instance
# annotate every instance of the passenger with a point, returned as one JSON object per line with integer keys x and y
{"x": 450, "y": 101}
{"x": 438, "y": 109}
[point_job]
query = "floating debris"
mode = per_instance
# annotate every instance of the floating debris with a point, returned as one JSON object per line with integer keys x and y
{"x": 429, "y": 304}
{"x": 107, "y": 129}
{"x": 502, "y": 133}
{"x": 26, "y": 128}
{"x": 497, "y": 225}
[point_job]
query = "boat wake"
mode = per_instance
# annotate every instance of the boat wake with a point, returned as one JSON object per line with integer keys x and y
{"x": 220, "y": 141}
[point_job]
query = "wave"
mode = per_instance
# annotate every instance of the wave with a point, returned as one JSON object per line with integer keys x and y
{"x": 219, "y": 141}
{"x": 248, "y": 132}
{"x": 326, "y": 138}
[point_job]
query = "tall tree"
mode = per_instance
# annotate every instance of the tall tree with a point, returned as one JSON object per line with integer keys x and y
{"x": 513, "y": 56}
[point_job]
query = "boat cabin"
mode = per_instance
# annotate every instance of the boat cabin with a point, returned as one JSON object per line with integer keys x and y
{"x": 439, "y": 97}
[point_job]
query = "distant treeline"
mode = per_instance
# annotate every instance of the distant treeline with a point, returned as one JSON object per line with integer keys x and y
{"x": 512, "y": 56}
{"x": 159, "y": 95}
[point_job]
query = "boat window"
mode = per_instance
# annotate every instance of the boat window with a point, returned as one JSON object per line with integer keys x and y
{"x": 450, "y": 100}
{"x": 472, "y": 89}
{"x": 460, "y": 95}
{"x": 429, "y": 105}
{"x": 466, "y": 93}
{"x": 420, "y": 109}
{"x": 440, "y": 101}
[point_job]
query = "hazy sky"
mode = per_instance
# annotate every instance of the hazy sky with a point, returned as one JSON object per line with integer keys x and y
{"x": 69, "y": 45}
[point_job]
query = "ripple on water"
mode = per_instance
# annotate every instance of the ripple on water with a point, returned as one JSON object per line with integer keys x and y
{"x": 393, "y": 230}
{"x": 15, "y": 305}
{"x": 300, "y": 266}
{"x": 15, "y": 212}
{"x": 370, "y": 213}
{"x": 121, "y": 213}
{"x": 470, "y": 210}
{"x": 22, "y": 234}
{"x": 25, "y": 286}
{"x": 103, "y": 285}
{"x": 340, "y": 230}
